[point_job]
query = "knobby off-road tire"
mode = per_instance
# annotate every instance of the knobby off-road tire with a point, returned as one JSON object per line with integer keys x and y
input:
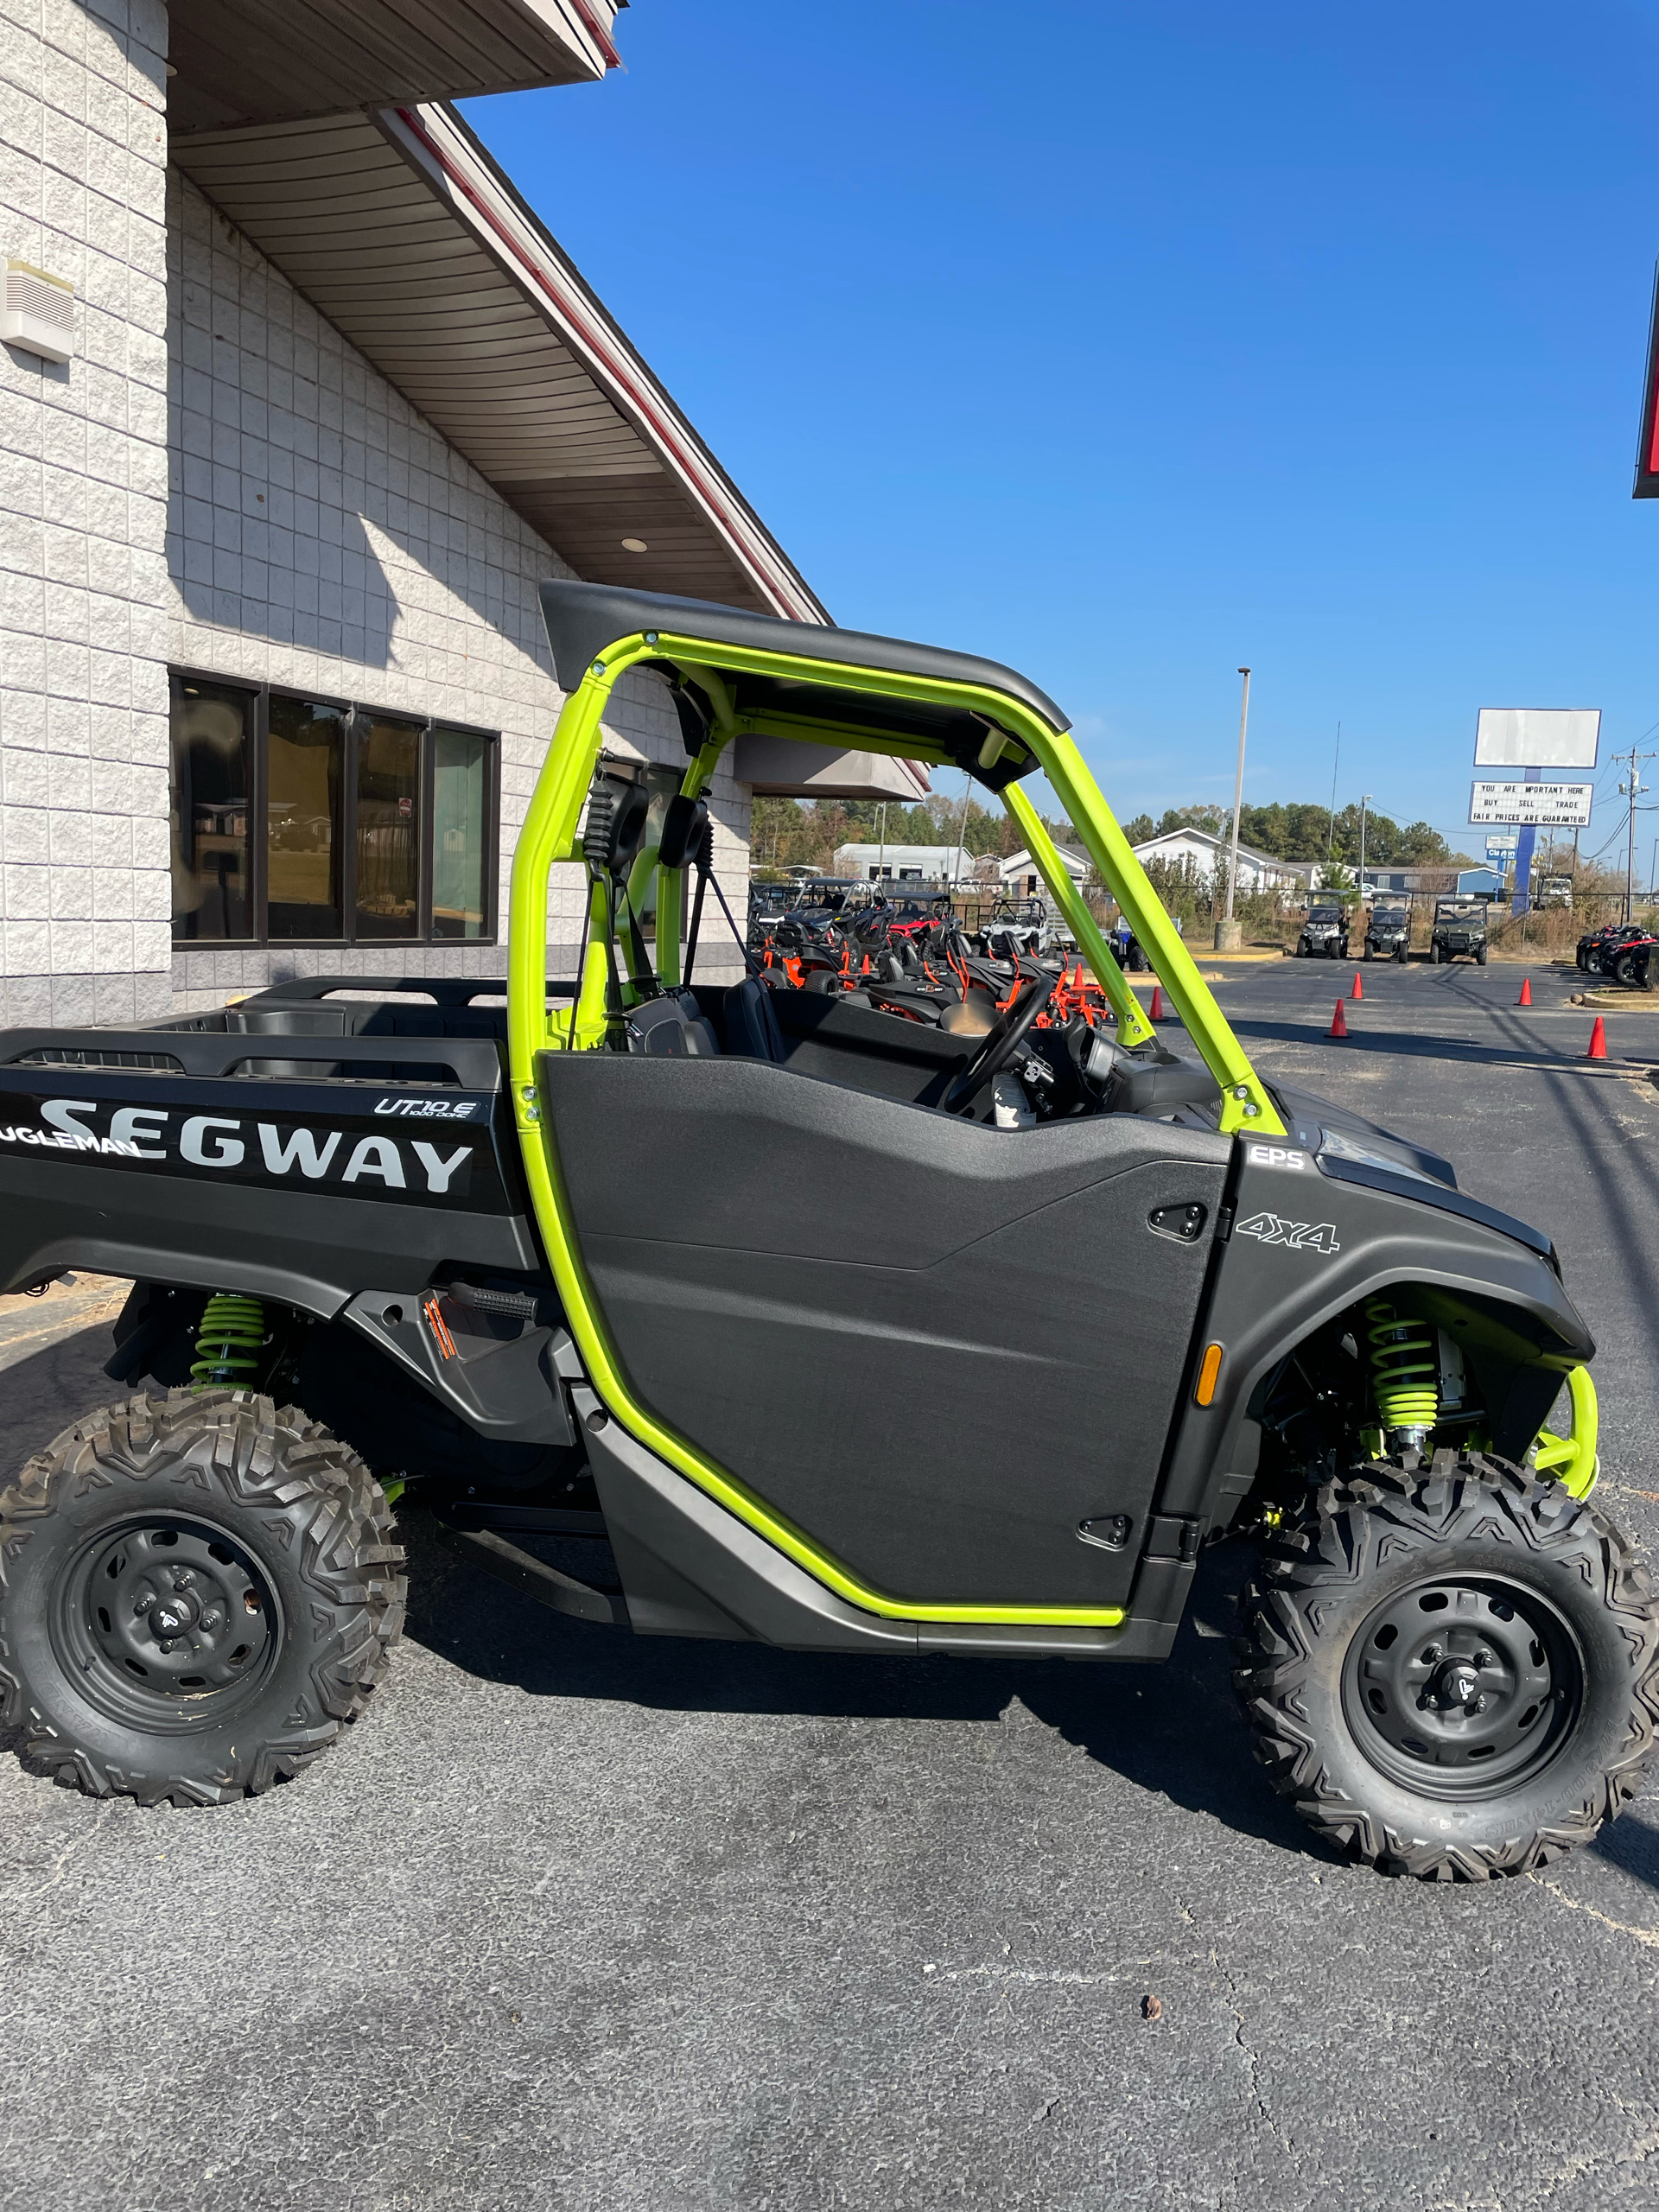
{"x": 196, "y": 1594}
{"x": 1362, "y": 1628}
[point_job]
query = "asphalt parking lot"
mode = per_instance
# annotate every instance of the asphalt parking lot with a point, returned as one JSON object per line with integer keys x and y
{"x": 576, "y": 1921}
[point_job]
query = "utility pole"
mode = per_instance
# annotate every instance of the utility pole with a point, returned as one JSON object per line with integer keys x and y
{"x": 1365, "y": 800}
{"x": 1331, "y": 828}
{"x": 1227, "y": 932}
{"x": 1632, "y": 790}
{"x": 881, "y": 860}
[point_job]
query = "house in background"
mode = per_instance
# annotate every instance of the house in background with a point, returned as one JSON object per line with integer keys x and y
{"x": 904, "y": 863}
{"x": 1206, "y": 855}
{"x": 1021, "y": 879}
{"x": 299, "y": 403}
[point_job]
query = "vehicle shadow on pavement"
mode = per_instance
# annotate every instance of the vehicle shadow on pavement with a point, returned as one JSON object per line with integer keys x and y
{"x": 1173, "y": 1729}
{"x": 1402, "y": 1043}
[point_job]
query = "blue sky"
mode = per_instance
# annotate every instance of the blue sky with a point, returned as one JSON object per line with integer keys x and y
{"x": 1128, "y": 343}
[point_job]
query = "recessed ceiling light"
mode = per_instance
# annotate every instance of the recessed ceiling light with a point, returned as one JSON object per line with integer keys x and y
{"x": 635, "y": 545}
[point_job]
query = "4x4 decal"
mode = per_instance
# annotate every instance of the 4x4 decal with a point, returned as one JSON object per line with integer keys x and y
{"x": 1300, "y": 1235}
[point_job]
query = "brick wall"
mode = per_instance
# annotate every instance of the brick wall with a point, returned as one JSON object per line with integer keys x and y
{"x": 323, "y": 536}
{"x": 85, "y": 889}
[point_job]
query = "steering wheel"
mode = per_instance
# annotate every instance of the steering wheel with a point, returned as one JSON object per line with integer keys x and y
{"x": 1002, "y": 1042}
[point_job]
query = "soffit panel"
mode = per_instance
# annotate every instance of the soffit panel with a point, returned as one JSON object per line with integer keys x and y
{"x": 365, "y": 238}
{"x": 267, "y": 61}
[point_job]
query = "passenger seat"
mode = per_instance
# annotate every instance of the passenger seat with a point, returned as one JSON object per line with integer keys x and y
{"x": 671, "y": 1027}
{"x": 751, "y": 1023}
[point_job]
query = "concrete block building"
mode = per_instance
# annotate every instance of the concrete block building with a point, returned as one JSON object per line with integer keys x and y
{"x": 299, "y": 403}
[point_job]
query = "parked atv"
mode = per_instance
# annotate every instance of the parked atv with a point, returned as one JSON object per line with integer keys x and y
{"x": 661, "y": 1261}
{"x": 1621, "y": 950}
{"x": 1324, "y": 933}
{"x": 1595, "y": 945}
{"x": 1633, "y": 962}
{"x": 1387, "y": 934}
{"x": 1459, "y": 930}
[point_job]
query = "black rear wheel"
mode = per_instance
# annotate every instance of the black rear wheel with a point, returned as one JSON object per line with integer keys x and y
{"x": 196, "y": 1595}
{"x": 1452, "y": 1672}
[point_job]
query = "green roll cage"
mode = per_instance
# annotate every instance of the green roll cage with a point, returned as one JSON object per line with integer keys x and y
{"x": 549, "y": 837}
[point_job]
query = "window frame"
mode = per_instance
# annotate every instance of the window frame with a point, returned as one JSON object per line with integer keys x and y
{"x": 355, "y": 714}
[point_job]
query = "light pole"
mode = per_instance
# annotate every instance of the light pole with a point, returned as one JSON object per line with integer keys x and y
{"x": 1228, "y": 932}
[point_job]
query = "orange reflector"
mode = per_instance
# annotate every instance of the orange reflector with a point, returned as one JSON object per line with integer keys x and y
{"x": 1209, "y": 1369}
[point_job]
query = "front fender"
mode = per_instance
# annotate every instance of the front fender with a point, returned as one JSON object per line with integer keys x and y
{"x": 1302, "y": 1248}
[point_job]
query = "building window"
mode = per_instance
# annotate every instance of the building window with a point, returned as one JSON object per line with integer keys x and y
{"x": 300, "y": 821}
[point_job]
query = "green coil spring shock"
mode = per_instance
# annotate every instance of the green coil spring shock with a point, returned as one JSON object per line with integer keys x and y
{"x": 1405, "y": 1372}
{"x": 230, "y": 1344}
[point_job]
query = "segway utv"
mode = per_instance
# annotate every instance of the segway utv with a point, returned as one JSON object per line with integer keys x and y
{"x": 660, "y": 1263}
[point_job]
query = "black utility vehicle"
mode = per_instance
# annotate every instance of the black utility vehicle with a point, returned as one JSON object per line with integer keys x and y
{"x": 1388, "y": 933}
{"x": 686, "y": 1274}
{"x": 1460, "y": 930}
{"x": 1324, "y": 933}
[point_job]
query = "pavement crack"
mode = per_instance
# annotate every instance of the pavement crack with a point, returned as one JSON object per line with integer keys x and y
{"x": 1647, "y": 1936}
{"x": 1253, "y": 2057}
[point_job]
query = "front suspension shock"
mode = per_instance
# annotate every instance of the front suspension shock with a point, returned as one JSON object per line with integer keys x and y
{"x": 1405, "y": 1372}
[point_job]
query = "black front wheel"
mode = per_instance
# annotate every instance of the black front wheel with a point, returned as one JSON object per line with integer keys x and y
{"x": 1452, "y": 1672}
{"x": 197, "y": 1595}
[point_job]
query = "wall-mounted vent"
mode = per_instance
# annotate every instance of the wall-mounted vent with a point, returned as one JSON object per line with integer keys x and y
{"x": 40, "y": 312}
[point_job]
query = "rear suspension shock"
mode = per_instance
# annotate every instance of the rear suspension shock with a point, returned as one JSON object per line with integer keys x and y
{"x": 230, "y": 1343}
{"x": 1405, "y": 1372}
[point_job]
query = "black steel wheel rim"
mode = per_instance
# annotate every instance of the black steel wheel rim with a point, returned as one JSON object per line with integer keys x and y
{"x": 166, "y": 1623}
{"x": 1464, "y": 1687}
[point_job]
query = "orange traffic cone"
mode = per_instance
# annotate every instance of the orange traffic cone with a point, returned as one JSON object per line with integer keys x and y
{"x": 1338, "y": 1023}
{"x": 1598, "y": 1042}
{"x": 1155, "y": 1011}
{"x": 1525, "y": 998}
{"x": 1359, "y": 990}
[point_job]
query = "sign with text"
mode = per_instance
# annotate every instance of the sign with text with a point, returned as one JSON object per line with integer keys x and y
{"x": 1552, "y": 806}
{"x": 1500, "y": 847}
{"x": 1537, "y": 737}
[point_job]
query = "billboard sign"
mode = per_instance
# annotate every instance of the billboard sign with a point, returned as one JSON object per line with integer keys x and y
{"x": 1500, "y": 847}
{"x": 1537, "y": 737}
{"x": 1552, "y": 806}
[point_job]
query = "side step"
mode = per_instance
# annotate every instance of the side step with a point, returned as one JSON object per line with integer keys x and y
{"x": 533, "y": 1578}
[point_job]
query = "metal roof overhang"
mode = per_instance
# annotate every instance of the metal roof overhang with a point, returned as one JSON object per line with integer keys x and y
{"x": 239, "y": 62}
{"x": 399, "y": 227}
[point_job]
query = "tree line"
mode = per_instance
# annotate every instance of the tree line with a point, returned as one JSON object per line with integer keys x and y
{"x": 793, "y": 833}
{"x": 1299, "y": 832}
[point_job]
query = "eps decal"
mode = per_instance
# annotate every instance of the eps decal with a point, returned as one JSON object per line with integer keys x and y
{"x": 1276, "y": 1155}
{"x": 1300, "y": 1236}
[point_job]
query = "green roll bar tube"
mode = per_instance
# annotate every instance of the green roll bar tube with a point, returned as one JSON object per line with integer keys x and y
{"x": 550, "y": 836}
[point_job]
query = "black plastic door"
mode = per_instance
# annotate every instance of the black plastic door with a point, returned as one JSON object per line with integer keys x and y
{"x": 934, "y": 1346}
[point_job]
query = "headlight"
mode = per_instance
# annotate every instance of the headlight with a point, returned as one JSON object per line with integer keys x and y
{"x": 1341, "y": 1148}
